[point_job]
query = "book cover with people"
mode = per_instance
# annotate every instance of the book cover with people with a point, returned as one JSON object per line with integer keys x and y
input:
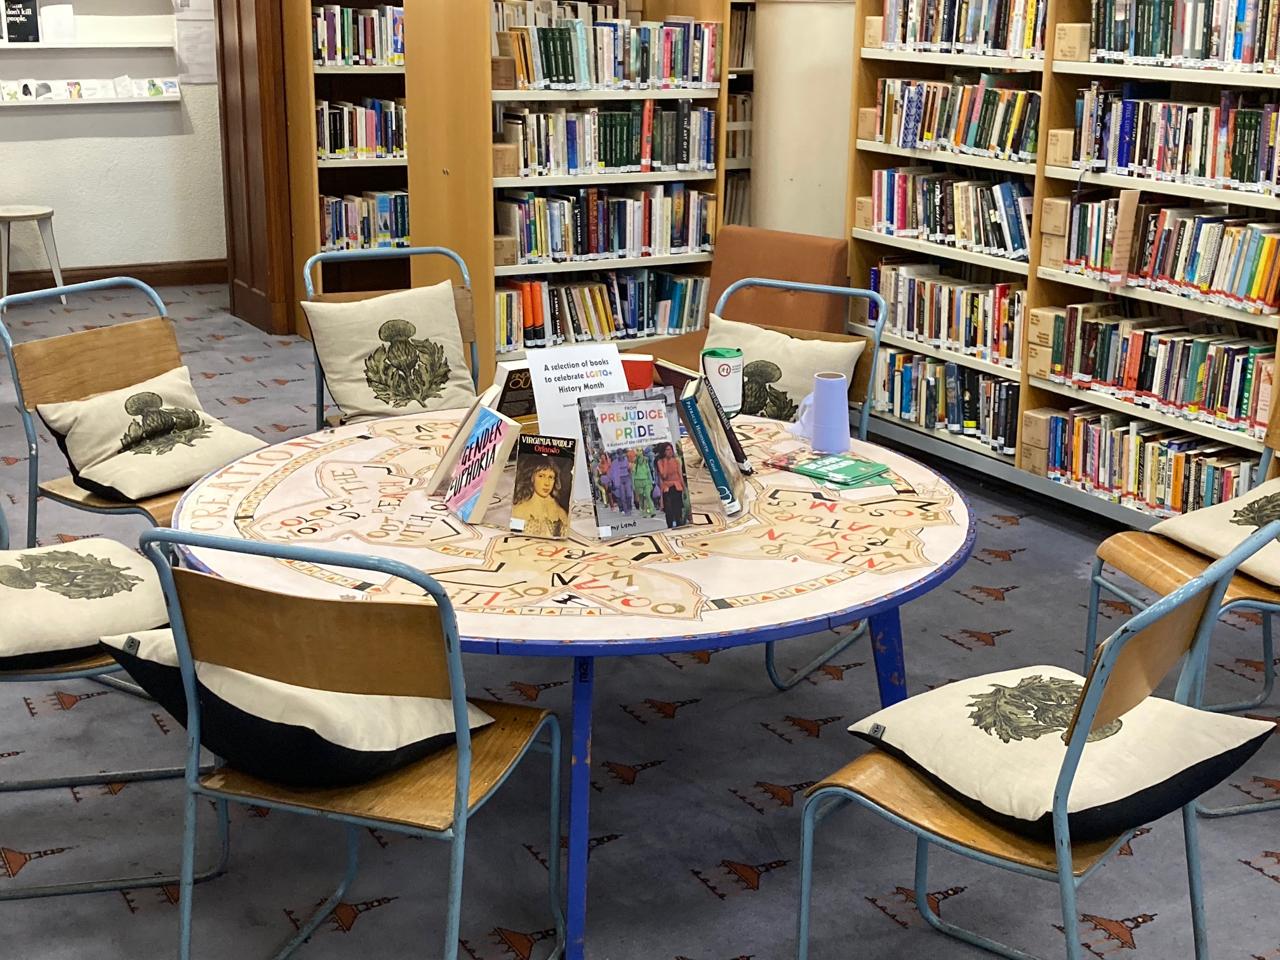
{"x": 636, "y": 466}
{"x": 540, "y": 499}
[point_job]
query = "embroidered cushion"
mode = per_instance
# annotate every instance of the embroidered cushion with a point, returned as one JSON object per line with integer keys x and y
{"x": 1216, "y": 531}
{"x": 995, "y": 741}
{"x": 144, "y": 440}
{"x": 395, "y": 354}
{"x": 289, "y": 734}
{"x": 59, "y": 600}
{"x": 778, "y": 370}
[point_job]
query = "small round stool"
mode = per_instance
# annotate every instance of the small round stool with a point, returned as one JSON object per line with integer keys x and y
{"x": 43, "y": 216}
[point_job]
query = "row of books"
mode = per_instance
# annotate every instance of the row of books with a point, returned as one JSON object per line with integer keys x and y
{"x": 571, "y": 54}
{"x": 742, "y": 37}
{"x": 946, "y": 396}
{"x": 1223, "y": 34}
{"x": 1007, "y": 28}
{"x": 367, "y": 130}
{"x": 983, "y": 320}
{"x": 1207, "y": 372}
{"x": 1199, "y": 252}
{"x": 350, "y": 37}
{"x": 376, "y": 218}
{"x": 1144, "y": 466}
{"x": 737, "y": 141}
{"x": 941, "y": 207}
{"x": 595, "y": 223}
{"x": 737, "y": 197}
{"x": 989, "y": 115}
{"x": 610, "y": 305}
{"x": 1132, "y": 129}
{"x": 647, "y": 136}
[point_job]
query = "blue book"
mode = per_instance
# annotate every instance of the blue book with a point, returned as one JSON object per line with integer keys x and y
{"x": 705, "y": 428}
{"x": 571, "y": 136}
{"x": 1125, "y": 152}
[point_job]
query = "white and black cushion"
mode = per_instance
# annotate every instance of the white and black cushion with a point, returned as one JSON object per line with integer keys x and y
{"x": 778, "y": 370}
{"x": 395, "y": 354}
{"x": 1216, "y": 531}
{"x": 144, "y": 440}
{"x": 289, "y": 734}
{"x": 57, "y": 601}
{"x": 996, "y": 742}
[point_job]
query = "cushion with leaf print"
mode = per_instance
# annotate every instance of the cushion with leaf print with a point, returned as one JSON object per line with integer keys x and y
{"x": 778, "y": 370}
{"x": 59, "y": 600}
{"x": 996, "y": 742}
{"x": 143, "y": 440}
{"x": 1216, "y": 531}
{"x": 394, "y": 354}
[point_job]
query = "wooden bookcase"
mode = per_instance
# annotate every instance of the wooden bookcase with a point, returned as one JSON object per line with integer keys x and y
{"x": 450, "y": 97}
{"x": 740, "y": 80}
{"x": 1057, "y": 83}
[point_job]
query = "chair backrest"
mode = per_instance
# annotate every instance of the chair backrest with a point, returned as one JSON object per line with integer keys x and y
{"x": 403, "y": 648}
{"x": 463, "y": 303}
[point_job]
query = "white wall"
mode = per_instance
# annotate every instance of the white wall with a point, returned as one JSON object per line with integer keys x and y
{"x": 129, "y": 183}
{"x": 800, "y": 137}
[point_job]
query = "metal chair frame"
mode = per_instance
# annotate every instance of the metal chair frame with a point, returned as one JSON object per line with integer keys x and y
{"x": 119, "y": 776}
{"x": 1098, "y": 583}
{"x": 28, "y": 421}
{"x": 864, "y": 419}
{"x": 823, "y": 801}
{"x": 377, "y": 253}
{"x": 158, "y": 545}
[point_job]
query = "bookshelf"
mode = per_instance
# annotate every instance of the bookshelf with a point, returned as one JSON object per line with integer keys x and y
{"x": 1057, "y": 82}
{"x": 740, "y": 134}
{"x": 450, "y": 92}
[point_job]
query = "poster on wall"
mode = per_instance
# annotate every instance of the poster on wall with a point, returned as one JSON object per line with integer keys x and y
{"x": 196, "y": 41}
{"x": 22, "y": 24}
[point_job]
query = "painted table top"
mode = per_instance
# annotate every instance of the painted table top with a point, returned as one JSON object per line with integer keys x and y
{"x": 800, "y": 557}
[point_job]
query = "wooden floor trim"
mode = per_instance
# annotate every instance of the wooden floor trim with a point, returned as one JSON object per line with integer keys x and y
{"x": 173, "y": 274}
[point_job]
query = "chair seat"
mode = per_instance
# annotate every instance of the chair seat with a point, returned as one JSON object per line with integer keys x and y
{"x": 1162, "y": 565}
{"x": 16, "y": 211}
{"x": 91, "y": 662}
{"x": 420, "y": 795}
{"x": 159, "y": 508}
{"x": 904, "y": 791}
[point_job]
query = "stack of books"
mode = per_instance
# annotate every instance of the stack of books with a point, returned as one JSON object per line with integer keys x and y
{"x": 610, "y": 305}
{"x": 368, "y": 130}
{"x": 975, "y": 215}
{"x": 596, "y": 223}
{"x": 644, "y": 137}
{"x": 1187, "y": 33}
{"x": 1005, "y": 28}
{"x": 988, "y": 115}
{"x": 941, "y": 395}
{"x": 376, "y": 218}
{"x": 350, "y": 37}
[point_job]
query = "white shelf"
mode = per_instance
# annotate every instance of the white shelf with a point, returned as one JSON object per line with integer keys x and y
{"x": 737, "y": 163}
{"x": 592, "y": 179}
{"x": 1191, "y": 305}
{"x": 98, "y": 102}
{"x": 365, "y": 162}
{"x": 570, "y": 96}
{"x": 940, "y": 353}
{"x": 584, "y": 266}
{"x": 632, "y": 343}
{"x": 1122, "y": 182}
{"x": 949, "y": 156}
{"x": 1100, "y": 399}
{"x": 1134, "y": 71}
{"x": 358, "y": 69}
{"x": 972, "y": 444}
{"x": 1023, "y": 64}
{"x": 942, "y": 250}
{"x": 89, "y": 45}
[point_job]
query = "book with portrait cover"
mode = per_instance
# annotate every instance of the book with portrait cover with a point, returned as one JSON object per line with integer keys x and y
{"x": 540, "y": 500}
{"x": 474, "y": 462}
{"x": 635, "y": 464}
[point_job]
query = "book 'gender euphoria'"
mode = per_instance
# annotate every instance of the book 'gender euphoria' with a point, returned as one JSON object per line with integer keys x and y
{"x": 472, "y": 465}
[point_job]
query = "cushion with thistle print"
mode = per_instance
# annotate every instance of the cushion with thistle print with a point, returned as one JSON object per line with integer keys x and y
{"x": 778, "y": 370}
{"x": 143, "y": 440}
{"x": 289, "y": 734}
{"x": 996, "y": 743}
{"x": 394, "y": 354}
{"x": 59, "y": 600}
{"x": 1216, "y": 531}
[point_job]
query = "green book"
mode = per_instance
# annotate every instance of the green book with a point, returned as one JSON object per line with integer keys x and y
{"x": 837, "y": 468}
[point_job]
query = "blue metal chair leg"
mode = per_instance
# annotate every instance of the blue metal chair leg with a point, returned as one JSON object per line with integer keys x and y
{"x": 124, "y": 686}
{"x": 457, "y": 856}
{"x": 1191, "y": 834}
{"x": 322, "y": 912}
{"x": 826, "y": 656}
{"x": 1091, "y": 628}
{"x": 809, "y": 825}
{"x": 1268, "y": 674}
{"x": 553, "y": 854}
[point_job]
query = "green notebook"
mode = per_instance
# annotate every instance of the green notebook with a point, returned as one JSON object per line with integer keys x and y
{"x": 837, "y": 468}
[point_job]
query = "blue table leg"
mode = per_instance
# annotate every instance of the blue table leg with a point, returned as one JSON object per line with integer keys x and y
{"x": 886, "y": 646}
{"x": 584, "y": 669}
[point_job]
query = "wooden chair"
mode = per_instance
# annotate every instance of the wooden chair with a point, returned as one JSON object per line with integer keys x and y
{"x": 462, "y": 302}
{"x": 1162, "y": 565}
{"x": 75, "y": 366}
{"x": 1126, "y": 671}
{"x": 95, "y": 666}
{"x": 406, "y": 649}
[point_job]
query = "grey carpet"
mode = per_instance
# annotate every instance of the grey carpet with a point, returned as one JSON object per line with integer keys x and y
{"x": 695, "y": 815}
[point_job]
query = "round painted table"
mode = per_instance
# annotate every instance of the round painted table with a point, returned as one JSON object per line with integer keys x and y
{"x": 800, "y": 558}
